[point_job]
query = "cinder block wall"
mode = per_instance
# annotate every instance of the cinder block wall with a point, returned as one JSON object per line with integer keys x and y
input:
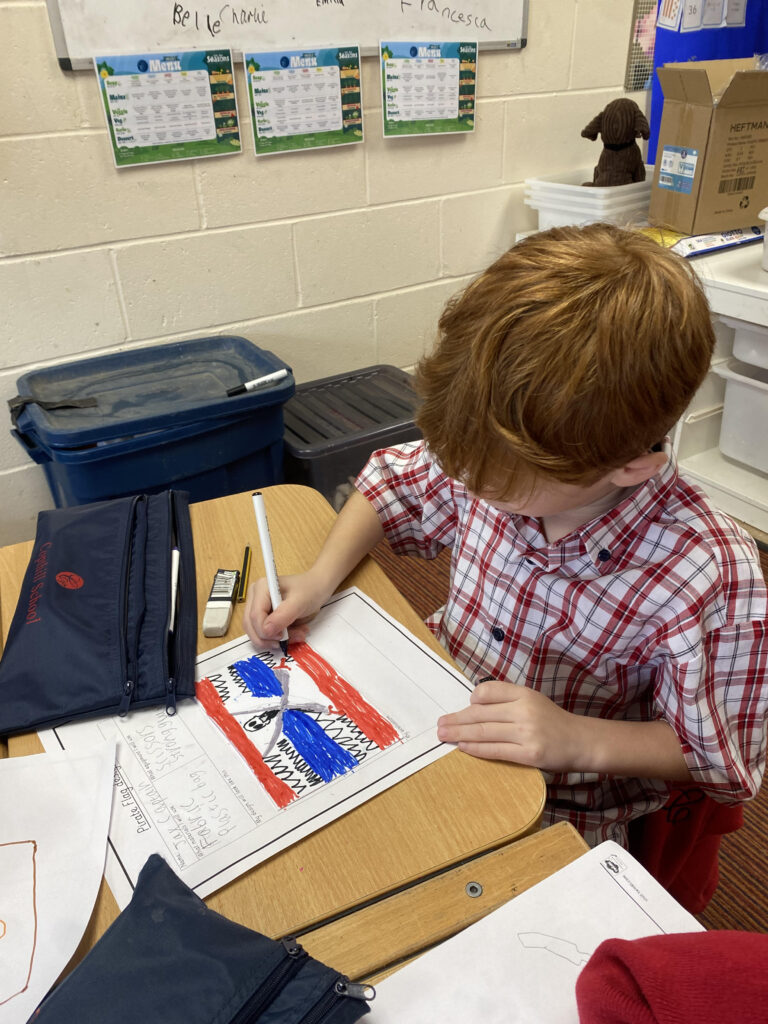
{"x": 335, "y": 259}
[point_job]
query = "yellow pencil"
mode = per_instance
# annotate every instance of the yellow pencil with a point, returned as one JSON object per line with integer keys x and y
{"x": 243, "y": 584}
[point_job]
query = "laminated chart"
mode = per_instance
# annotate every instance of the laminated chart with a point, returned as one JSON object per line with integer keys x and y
{"x": 162, "y": 107}
{"x": 304, "y": 99}
{"x": 428, "y": 88}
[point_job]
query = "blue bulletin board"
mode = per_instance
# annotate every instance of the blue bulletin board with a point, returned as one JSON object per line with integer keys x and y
{"x": 705, "y": 44}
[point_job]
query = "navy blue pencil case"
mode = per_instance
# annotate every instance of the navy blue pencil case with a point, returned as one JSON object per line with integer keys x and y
{"x": 168, "y": 959}
{"x": 97, "y": 630}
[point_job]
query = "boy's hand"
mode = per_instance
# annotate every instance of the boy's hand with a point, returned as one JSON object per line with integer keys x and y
{"x": 506, "y": 722}
{"x": 301, "y": 599}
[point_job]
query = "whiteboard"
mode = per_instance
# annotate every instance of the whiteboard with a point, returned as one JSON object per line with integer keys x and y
{"x": 83, "y": 29}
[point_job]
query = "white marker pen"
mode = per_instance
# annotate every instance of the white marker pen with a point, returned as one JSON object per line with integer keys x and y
{"x": 269, "y": 559}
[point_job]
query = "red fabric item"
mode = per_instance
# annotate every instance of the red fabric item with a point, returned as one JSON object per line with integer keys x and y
{"x": 679, "y": 844}
{"x": 706, "y": 977}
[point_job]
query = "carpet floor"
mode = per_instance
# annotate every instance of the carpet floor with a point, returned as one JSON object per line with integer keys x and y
{"x": 741, "y": 899}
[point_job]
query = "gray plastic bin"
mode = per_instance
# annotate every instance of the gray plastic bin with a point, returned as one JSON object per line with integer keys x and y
{"x": 332, "y": 425}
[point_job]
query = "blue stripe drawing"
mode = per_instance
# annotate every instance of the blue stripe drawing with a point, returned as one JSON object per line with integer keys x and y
{"x": 324, "y": 756}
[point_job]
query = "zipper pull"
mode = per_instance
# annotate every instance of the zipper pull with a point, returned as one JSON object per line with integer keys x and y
{"x": 292, "y": 947}
{"x": 170, "y": 696}
{"x": 125, "y": 700}
{"x": 353, "y": 990}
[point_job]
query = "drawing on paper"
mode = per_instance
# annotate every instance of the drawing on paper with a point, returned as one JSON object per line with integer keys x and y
{"x": 18, "y": 918}
{"x": 295, "y": 720}
{"x": 563, "y": 948}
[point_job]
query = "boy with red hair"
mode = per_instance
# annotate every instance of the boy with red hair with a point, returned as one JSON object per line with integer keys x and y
{"x": 613, "y": 621}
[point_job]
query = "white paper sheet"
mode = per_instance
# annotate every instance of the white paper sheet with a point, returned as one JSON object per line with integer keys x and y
{"x": 54, "y": 815}
{"x": 184, "y": 791}
{"x": 520, "y": 963}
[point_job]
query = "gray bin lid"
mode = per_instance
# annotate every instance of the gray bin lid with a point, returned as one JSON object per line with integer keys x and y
{"x": 335, "y": 412}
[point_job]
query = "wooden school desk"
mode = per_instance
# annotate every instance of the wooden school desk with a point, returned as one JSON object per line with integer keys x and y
{"x": 409, "y": 867}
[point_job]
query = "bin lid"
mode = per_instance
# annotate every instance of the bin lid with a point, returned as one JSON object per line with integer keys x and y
{"x": 147, "y": 389}
{"x": 335, "y": 412}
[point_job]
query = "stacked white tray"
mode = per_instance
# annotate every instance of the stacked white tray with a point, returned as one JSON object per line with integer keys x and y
{"x": 564, "y": 199}
{"x": 744, "y": 425}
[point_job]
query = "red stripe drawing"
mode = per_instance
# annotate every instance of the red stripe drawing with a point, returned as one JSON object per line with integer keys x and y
{"x": 344, "y": 697}
{"x": 279, "y": 791}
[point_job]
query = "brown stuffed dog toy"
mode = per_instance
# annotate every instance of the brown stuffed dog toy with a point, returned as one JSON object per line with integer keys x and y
{"x": 621, "y": 161}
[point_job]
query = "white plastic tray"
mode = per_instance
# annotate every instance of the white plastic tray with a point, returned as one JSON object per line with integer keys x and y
{"x": 744, "y": 426}
{"x": 750, "y": 341}
{"x": 553, "y": 216}
{"x": 570, "y": 184}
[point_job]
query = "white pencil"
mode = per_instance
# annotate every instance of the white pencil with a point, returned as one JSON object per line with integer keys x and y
{"x": 269, "y": 559}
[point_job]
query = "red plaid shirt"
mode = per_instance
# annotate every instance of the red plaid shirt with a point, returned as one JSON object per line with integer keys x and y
{"x": 656, "y": 609}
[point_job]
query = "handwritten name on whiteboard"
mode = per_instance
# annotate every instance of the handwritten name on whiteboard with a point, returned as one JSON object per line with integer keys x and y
{"x": 83, "y": 28}
{"x": 216, "y": 19}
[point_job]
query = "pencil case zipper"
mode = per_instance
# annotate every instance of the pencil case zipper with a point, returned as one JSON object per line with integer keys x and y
{"x": 183, "y": 640}
{"x": 341, "y": 990}
{"x": 130, "y": 628}
{"x": 171, "y": 641}
{"x": 267, "y": 992}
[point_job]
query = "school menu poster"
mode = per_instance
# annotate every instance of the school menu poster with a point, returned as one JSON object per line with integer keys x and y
{"x": 428, "y": 88}
{"x": 304, "y": 99}
{"x": 169, "y": 106}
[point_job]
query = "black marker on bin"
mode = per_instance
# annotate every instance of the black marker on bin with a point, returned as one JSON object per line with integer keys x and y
{"x": 256, "y": 385}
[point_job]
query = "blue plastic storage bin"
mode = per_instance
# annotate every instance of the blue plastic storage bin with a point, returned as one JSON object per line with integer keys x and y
{"x": 159, "y": 417}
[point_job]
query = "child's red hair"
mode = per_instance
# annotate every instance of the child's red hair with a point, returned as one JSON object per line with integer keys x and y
{"x": 576, "y": 351}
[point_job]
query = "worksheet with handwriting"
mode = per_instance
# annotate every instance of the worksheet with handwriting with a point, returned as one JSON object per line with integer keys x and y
{"x": 272, "y": 747}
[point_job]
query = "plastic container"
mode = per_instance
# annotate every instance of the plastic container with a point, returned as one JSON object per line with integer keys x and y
{"x": 332, "y": 425}
{"x": 744, "y": 426}
{"x": 570, "y": 185}
{"x": 160, "y": 417}
{"x": 552, "y": 215}
{"x": 763, "y": 216}
{"x": 563, "y": 199}
{"x": 750, "y": 342}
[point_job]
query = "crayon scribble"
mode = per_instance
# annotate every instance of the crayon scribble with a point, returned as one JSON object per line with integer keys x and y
{"x": 301, "y": 752}
{"x": 213, "y": 706}
{"x": 323, "y": 755}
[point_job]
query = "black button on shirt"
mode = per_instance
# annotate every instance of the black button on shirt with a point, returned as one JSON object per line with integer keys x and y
{"x": 604, "y": 555}
{"x": 497, "y": 633}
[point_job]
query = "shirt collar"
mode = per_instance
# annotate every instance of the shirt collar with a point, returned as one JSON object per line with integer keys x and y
{"x": 606, "y": 538}
{"x": 602, "y": 540}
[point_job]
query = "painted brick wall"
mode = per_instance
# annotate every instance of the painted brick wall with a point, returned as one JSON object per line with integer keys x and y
{"x": 335, "y": 259}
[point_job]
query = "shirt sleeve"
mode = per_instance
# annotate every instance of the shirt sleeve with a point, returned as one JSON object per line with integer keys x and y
{"x": 717, "y": 703}
{"x": 415, "y": 501}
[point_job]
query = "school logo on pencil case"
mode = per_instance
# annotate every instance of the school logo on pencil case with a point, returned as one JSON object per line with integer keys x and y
{"x": 39, "y": 574}
{"x": 69, "y": 580}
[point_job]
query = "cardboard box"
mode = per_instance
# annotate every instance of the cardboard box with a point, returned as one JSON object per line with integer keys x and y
{"x": 712, "y": 157}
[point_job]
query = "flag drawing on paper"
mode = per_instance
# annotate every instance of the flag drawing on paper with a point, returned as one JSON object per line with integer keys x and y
{"x": 295, "y": 720}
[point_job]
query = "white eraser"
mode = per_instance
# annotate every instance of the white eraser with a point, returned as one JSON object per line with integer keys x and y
{"x": 218, "y": 610}
{"x": 217, "y": 618}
